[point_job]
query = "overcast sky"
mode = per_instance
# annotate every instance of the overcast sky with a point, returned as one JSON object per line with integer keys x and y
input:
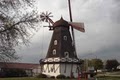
{"x": 102, "y": 26}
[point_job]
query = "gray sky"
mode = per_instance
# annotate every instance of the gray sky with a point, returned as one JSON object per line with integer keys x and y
{"x": 102, "y": 25}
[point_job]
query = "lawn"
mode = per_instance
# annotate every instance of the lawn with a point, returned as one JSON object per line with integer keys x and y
{"x": 23, "y": 78}
{"x": 31, "y": 78}
{"x": 108, "y": 79}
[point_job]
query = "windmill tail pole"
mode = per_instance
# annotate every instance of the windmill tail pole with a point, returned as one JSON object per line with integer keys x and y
{"x": 70, "y": 13}
{"x": 70, "y": 10}
{"x": 72, "y": 30}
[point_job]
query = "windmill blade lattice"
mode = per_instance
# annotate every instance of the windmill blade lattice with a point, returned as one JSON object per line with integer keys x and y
{"x": 45, "y": 16}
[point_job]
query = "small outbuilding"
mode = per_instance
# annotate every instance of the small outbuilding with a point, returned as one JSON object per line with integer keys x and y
{"x": 14, "y": 69}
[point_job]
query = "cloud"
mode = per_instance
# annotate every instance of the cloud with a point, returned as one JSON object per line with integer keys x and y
{"x": 102, "y": 25}
{"x": 101, "y": 20}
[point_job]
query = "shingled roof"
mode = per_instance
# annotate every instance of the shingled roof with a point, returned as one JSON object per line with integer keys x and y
{"x": 61, "y": 22}
{"x": 18, "y": 65}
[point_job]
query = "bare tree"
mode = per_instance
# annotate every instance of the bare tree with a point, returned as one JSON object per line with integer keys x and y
{"x": 18, "y": 19}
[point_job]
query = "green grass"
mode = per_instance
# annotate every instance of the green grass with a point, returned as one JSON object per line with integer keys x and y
{"x": 108, "y": 78}
{"x": 23, "y": 78}
{"x": 32, "y": 78}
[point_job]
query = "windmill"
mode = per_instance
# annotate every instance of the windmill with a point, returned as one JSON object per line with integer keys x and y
{"x": 61, "y": 57}
{"x": 45, "y": 17}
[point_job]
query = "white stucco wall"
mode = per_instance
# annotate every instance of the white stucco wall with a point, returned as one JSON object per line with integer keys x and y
{"x": 68, "y": 70}
{"x": 48, "y": 69}
{"x": 59, "y": 68}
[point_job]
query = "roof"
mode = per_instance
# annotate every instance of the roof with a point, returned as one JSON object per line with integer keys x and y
{"x": 18, "y": 65}
{"x": 61, "y": 22}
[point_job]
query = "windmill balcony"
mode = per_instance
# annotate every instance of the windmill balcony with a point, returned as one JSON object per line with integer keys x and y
{"x": 60, "y": 60}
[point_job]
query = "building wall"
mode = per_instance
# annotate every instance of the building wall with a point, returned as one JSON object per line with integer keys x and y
{"x": 57, "y": 69}
{"x": 66, "y": 70}
{"x": 118, "y": 67}
{"x": 36, "y": 71}
{"x": 51, "y": 69}
{"x": 29, "y": 72}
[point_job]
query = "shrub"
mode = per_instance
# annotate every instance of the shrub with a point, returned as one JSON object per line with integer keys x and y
{"x": 61, "y": 76}
{"x": 68, "y": 77}
{"x": 72, "y": 77}
{"x": 53, "y": 77}
{"x": 41, "y": 75}
{"x": 14, "y": 73}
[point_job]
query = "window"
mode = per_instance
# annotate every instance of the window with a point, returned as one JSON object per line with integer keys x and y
{"x": 65, "y": 37}
{"x": 54, "y": 52}
{"x": 55, "y": 42}
{"x": 66, "y": 54}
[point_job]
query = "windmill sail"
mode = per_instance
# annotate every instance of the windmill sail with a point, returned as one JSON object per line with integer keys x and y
{"x": 78, "y": 26}
{"x": 46, "y": 17}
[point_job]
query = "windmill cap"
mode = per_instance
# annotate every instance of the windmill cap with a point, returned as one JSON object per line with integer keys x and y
{"x": 61, "y": 22}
